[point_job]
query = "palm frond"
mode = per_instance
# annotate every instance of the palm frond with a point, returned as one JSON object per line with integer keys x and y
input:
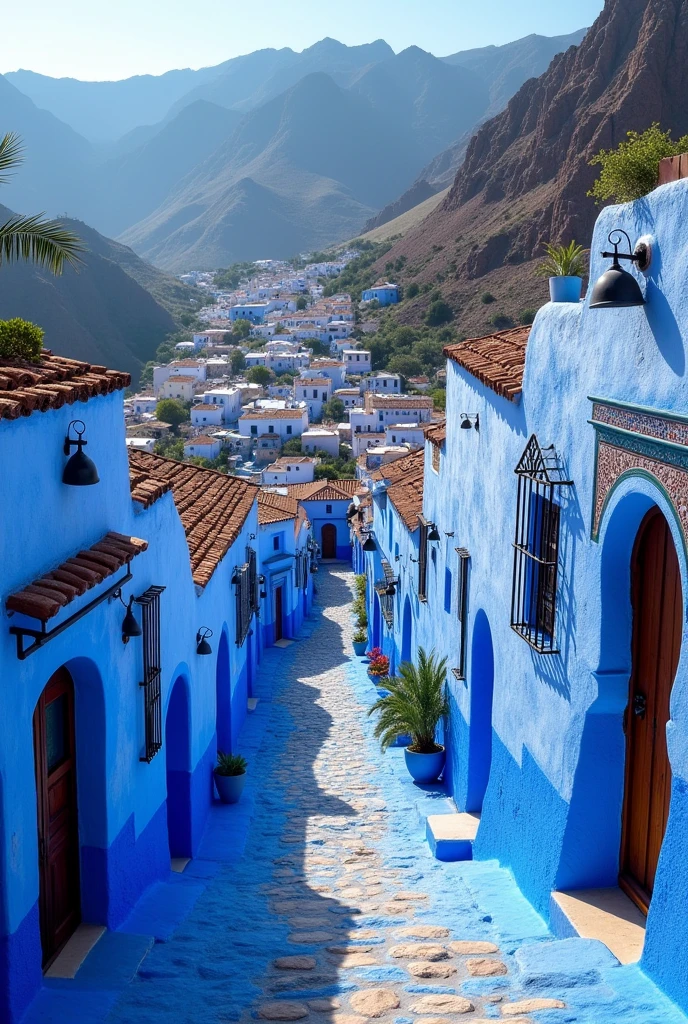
{"x": 415, "y": 704}
{"x": 45, "y": 242}
{"x": 11, "y": 150}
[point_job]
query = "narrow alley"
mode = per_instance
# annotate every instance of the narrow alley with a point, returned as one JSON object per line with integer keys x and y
{"x": 317, "y": 897}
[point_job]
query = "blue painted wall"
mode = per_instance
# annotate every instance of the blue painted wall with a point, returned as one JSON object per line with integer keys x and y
{"x": 554, "y": 756}
{"x": 277, "y": 566}
{"x": 128, "y": 826}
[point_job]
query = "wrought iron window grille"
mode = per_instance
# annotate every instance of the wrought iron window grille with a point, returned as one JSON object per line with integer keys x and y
{"x": 462, "y": 609}
{"x": 536, "y": 546}
{"x": 243, "y": 602}
{"x": 423, "y": 559}
{"x": 254, "y": 594}
{"x": 152, "y": 694}
{"x": 383, "y": 588}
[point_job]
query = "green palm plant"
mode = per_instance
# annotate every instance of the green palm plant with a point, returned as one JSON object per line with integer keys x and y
{"x": 415, "y": 704}
{"x": 45, "y": 242}
{"x": 563, "y": 261}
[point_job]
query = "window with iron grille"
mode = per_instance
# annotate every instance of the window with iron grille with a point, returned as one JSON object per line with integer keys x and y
{"x": 152, "y": 696}
{"x": 462, "y": 609}
{"x": 423, "y": 561}
{"x": 301, "y": 570}
{"x": 386, "y": 599}
{"x": 243, "y": 600}
{"x": 536, "y": 546}
{"x": 252, "y": 564}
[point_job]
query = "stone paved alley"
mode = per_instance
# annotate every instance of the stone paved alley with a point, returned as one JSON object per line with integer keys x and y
{"x": 317, "y": 897}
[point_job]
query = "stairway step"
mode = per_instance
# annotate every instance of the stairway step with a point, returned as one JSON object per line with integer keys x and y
{"x": 451, "y": 836}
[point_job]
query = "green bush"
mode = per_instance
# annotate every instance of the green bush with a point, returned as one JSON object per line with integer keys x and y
{"x": 631, "y": 170}
{"x": 439, "y": 312}
{"x": 412, "y": 290}
{"x": 20, "y": 339}
{"x": 416, "y": 704}
{"x": 527, "y": 316}
{"x": 486, "y": 298}
{"x": 501, "y": 321}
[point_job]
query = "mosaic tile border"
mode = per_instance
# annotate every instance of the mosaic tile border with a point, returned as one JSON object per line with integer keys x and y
{"x": 645, "y": 442}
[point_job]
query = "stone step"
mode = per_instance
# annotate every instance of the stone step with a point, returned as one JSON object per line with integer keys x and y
{"x": 604, "y": 914}
{"x": 451, "y": 836}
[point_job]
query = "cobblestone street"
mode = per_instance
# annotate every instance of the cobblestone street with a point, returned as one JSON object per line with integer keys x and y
{"x": 317, "y": 897}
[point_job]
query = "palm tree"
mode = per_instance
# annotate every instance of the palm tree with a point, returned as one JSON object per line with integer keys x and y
{"x": 45, "y": 242}
{"x": 415, "y": 704}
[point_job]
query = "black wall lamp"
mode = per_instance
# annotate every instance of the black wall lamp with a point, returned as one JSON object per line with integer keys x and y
{"x": 468, "y": 421}
{"x": 130, "y": 627}
{"x": 433, "y": 533}
{"x": 617, "y": 288}
{"x": 202, "y": 645}
{"x": 369, "y": 544}
{"x": 80, "y": 471}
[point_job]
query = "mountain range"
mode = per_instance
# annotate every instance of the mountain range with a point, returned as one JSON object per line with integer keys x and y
{"x": 527, "y": 171}
{"x": 270, "y": 153}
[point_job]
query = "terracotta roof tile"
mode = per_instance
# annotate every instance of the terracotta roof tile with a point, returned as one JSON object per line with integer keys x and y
{"x": 44, "y": 597}
{"x": 405, "y": 490}
{"x": 212, "y": 506}
{"x": 175, "y": 378}
{"x": 497, "y": 360}
{"x": 201, "y": 439}
{"x": 324, "y": 490}
{"x": 436, "y": 433}
{"x": 51, "y": 382}
{"x": 276, "y": 508}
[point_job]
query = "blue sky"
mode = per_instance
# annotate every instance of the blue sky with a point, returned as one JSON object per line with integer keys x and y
{"x": 107, "y": 39}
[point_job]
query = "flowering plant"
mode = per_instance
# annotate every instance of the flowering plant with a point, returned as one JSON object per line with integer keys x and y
{"x": 373, "y": 653}
{"x": 379, "y": 666}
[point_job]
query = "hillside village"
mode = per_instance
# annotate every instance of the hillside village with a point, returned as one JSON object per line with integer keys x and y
{"x": 345, "y": 646}
{"x": 310, "y": 412}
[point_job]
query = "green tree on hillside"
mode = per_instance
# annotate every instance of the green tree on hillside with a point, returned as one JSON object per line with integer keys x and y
{"x": 33, "y": 238}
{"x": 631, "y": 170}
{"x": 172, "y": 411}
{"x": 438, "y": 312}
{"x": 259, "y": 375}
{"x": 241, "y": 329}
{"x": 301, "y": 302}
{"x": 334, "y": 410}
{"x": 237, "y": 360}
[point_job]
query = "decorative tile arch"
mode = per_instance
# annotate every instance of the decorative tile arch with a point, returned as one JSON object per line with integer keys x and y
{"x": 632, "y": 440}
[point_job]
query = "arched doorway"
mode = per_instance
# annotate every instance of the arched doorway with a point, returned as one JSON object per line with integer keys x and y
{"x": 480, "y": 734}
{"x": 656, "y": 646}
{"x": 329, "y": 540}
{"x": 407, "y": 632}
{"x": 58, "y": 827}
{"x": 223, "y": 697}
{"x": 178, "y": 765}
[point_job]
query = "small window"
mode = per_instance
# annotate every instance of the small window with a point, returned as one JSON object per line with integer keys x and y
{"x": 271, "y": 429}
{"x": 328, "y": 510}
{"x": 447, "y": 590}
{"x": 289, "y": 429}
{"x": 423, "y": 561}
{"x": 254, "y": 429}
{"x": 276, "y": 542}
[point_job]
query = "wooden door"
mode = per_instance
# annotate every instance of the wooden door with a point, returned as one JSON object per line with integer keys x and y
{"x": 58, "y": 832}
{"x": 279, "y": 621}
{"x": 657, "y": 621}
{"x": 329, "y": 540}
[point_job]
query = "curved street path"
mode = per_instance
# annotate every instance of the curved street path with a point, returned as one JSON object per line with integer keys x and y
{"x": 317, "y": 897}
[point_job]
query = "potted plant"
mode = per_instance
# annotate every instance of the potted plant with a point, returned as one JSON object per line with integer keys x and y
{"x": 360, "y": 641}
{"x": 230, "y": 777}
{"x": 378, "y": 669}
{"x": 415, "y": 704}
{"x": 565, "y": 266}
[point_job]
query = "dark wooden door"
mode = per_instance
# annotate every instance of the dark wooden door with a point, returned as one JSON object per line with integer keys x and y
{"x": 279, "y": 620}
{"x": 329, "y": 540}
{"x": 58, "y": 832}
{"x": 657, "y": 620}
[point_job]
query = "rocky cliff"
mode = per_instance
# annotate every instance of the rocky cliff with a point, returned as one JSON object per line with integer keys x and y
{"x": 526, "y": 172}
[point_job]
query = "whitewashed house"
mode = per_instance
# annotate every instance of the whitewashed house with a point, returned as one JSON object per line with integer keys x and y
{"x": 319, "y": 439}
{"x": 382, "y": 382}
{"x": 315, "y": 392}
{"x": 202, "y": 446}
{"x": 285, "y": 423}
{"x": 204, "y": 416}
{"x": 357, "y": 361}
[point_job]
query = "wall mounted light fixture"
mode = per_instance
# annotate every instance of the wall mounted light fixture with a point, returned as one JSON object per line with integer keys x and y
{"x": 616, "y": 288}
{"x": 202, "y": 645}
{"x": 80, "y": 471}
{"x": 433, "y": 533}
{"x": 469, "y": 420}
{"x": 130, "y": 626}
{"x": 369, "y": 544}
